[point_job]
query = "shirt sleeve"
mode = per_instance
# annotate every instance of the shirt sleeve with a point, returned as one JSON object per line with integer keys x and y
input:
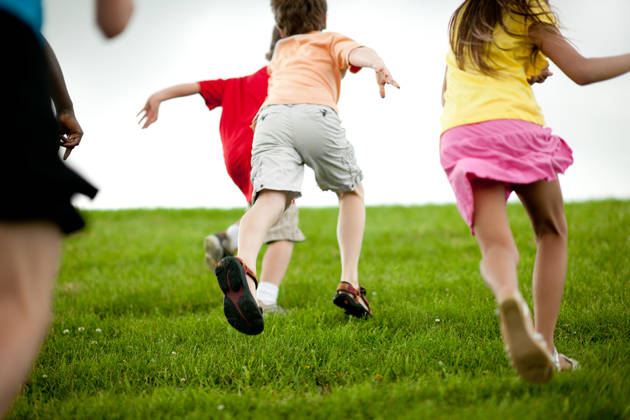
{"x": 340, "y": 48}
{"x": 212, "y": 92}
{"x": 543, "y": 12}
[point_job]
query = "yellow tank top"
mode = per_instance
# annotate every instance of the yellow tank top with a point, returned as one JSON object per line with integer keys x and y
{"x": 473, "y": 97}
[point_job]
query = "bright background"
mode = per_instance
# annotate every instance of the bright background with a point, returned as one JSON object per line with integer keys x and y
{"x": 178, "y": 161}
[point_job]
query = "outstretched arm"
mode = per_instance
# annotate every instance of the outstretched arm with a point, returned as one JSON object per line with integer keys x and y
{"x": 70, "y": 132}
{"x": 152, "y": 107}
{"x": 112, "y": 16}
{"x": 581, "y": 70}
{"x": 367, "y": 57}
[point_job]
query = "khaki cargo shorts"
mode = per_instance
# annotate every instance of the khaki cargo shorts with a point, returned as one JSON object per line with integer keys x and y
{"x": 286, "y": 229}
{"x": 289, "y": 136}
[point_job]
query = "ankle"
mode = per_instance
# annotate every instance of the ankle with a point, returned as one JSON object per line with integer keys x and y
{"x": 504, "y": 291}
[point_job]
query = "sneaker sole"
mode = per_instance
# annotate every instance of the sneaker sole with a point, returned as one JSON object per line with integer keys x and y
{"x": 214, "y": 251}
{"x": 350, "y": 308}
{"x": 239, "y": 306}
{"x": 529, "y": 356}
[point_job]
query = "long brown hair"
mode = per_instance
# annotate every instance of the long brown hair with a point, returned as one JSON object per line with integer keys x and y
{"x": 472, "y": 26}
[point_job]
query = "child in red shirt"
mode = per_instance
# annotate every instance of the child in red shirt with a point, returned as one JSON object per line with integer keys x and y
{"x": 240, "y": 99}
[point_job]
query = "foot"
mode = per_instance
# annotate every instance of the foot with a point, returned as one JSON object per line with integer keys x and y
{"x": 526, "y": 348}
{"x": 239, "y": 304}
{"x": 563, "y": 362}
{"x": 352, "y": 301}
{"x": 272, "y": 308}
{"x": 217, "y": 247}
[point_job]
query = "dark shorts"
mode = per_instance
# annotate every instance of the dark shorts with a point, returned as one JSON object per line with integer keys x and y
{"x": 35, "y": 183}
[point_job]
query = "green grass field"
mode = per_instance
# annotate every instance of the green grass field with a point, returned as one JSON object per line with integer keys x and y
{"x": 139, "y": 330}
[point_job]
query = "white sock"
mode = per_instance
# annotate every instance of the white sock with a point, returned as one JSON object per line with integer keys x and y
{"x": 267, "y": 293}
{"x": 232, "y": 234}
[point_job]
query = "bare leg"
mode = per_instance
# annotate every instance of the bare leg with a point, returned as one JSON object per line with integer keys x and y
{"x": 499, "y": 261}
{"x": 29, "y": 260}
{"x": 492, "y": 229}
{"x": 350, "y": 227}
{"x": 254, "y": 226}
{"x": 544, "y": 204}
{"x": 276, "y": 261}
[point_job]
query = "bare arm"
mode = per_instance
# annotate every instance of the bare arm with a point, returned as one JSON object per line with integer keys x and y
{"x": 367, "y": 57}
{"x": 112, "y": 16}
{"x": 152, "y": 107}
{"x": 581, "y": 70}
{"x": 70, "y": 131}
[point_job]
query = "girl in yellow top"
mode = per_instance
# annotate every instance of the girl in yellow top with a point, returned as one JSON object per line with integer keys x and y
{"x": 494, "y": 142}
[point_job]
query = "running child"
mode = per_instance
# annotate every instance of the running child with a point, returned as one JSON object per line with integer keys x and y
{"x": 37, "y": 186}
{"x": 494, "y": 142}
{"x": 240, "y": 99}
{"x": 298, "y": 124}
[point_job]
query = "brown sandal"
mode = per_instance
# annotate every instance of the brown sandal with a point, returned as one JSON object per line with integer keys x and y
{"x": 350, "y": 299}
{"x": 239, "y": 304}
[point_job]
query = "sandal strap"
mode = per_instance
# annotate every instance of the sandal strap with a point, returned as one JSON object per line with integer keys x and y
{"x": 344, "y": 286}
{"x": 248, "y": 272}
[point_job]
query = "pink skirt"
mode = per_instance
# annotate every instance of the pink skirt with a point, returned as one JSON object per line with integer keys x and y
{"x": 508, "y": 151}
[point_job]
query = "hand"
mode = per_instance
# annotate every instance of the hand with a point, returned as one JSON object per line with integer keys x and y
{"x": 383, "y": 77}
{"x": 542, "y": 76}
{"x": 150, "y": 111}
{"x": 70, "y": 132}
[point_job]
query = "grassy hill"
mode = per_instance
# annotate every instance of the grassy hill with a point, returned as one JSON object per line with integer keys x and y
{"x": 139, "y": 330}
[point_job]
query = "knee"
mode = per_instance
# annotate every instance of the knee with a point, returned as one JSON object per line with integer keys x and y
{"x": 551, "y": 227}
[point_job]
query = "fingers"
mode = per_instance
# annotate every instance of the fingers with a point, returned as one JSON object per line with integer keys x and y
{"x": 383, "y": 78}
{"x": 66, "y": 154}
{"x": 149, "y": 120}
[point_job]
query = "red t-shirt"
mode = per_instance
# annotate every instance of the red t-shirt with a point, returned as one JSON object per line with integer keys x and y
{"x": 241, "y": 99}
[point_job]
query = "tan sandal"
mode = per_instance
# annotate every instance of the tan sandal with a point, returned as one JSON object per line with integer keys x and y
{"x": 573, "y": 364}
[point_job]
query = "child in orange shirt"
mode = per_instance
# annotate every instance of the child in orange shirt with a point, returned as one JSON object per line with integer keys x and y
{"x": 298, "y": 124}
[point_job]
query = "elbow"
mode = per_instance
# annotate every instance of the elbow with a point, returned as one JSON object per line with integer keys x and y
{"x": 585, "y": 74}
{"x": 111, "y": 31}
{"x": 582, "y": 80}
{"x": 113, "y": 24}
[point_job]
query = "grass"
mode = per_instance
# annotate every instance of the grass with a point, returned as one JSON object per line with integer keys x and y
{"x": 139, "y": 330}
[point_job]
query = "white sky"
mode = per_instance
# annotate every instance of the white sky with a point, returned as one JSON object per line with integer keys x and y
{"x": 178, "y": 161}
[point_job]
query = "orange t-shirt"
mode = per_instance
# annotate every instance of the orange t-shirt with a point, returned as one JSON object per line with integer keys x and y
{"x": 307, "y": 69}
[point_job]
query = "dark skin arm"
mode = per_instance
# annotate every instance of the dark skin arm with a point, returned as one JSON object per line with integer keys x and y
{"x": 70, "y": 132}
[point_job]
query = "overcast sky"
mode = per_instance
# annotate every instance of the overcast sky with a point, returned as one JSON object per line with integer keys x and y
{"x": 178, "y": 161}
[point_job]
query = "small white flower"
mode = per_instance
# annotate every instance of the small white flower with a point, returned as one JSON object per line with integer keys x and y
{"x": 183, "y": 380}
{"x": 66, "y": 331}
{"x": 173, "y": 352}
{"x": 220, "y": 407}
{"x": 81, "y": 329}
{"x": 98, "y": 330}
{"x": 44, "y": 376}
{"x": 437, "y": 319}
